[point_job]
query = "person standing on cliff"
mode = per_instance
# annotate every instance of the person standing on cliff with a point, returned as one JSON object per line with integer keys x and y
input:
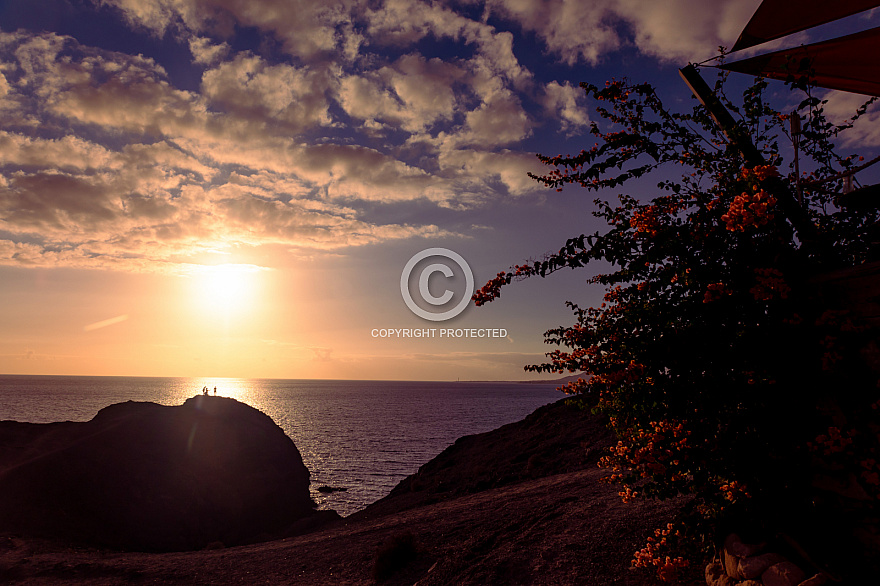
{"x": 215, "y": 391}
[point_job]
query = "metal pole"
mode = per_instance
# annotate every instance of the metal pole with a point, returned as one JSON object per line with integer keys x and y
{"x": 796, "y": 141}
{"x": 721, "y": 116}
{"x": 751, "y": 155}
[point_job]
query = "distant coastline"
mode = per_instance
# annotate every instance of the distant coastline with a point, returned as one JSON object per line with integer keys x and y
{"x": 548, "y": 381}
{"x": 558, "y": 381}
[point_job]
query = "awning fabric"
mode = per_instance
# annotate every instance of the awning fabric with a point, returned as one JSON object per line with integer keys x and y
{"x": 776, "y": 18}
{"x": 849, "y": 63}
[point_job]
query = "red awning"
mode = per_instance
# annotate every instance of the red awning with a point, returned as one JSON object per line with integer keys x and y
{"x": 849, "y": 63}
{"x": 777, "y": 18}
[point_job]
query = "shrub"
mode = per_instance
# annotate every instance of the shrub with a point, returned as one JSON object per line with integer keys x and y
{"x": 719, "y": 366}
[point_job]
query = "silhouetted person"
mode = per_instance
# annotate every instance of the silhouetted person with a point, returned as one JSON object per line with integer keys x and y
{"x": 205, "y": 390}
{"x": 215, "y": 391}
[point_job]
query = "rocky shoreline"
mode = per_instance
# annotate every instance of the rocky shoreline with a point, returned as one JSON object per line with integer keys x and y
{"x": 523, "y": 504}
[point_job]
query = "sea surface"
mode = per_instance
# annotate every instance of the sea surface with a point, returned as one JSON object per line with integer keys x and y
{"x": 364, "y": 436}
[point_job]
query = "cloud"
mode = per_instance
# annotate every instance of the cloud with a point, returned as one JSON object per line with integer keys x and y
{"x": 84, "y": 220}
{"x": 565, "y": 102}
{"x": 264, "y": 106}
{"x": 252, "y": 90}
{"x": 165, "y": 176}
{"x": 573, "y": 31}
{"x": 306, "y": 28}
{"x": 140, "y": 219}
{"x": 55, "y": 203}
{"x": 842, "y": 106}
{"x": 498, "y": 121}
{"x": 412, "y": 94}
{"x": 295, "y": 142}
{"x": 674, "y": 30}
{"x": 404, "y": 23}
{"x": 206, "y": 52}
{"x": 92, "y": 87}
{"x": 105, "y": 323}
{"x": 456, "y": 104}
{"x": 507, "y": 169}
{"x": 67, "y": 152}
{"x": 685, "y": 30}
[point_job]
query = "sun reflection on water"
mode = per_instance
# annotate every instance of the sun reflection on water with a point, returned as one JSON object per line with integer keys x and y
{"x": 237, "y": 388}
{"x": 178, "y": 390}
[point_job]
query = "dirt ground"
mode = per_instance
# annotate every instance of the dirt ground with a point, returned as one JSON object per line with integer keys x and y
{"x": 563, "y": 529}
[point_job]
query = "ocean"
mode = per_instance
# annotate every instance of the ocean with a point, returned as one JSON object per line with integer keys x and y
{"x": 364, "y": 436}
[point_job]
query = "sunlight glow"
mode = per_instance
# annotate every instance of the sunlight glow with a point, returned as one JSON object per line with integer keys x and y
{"x": 226, "y": 289}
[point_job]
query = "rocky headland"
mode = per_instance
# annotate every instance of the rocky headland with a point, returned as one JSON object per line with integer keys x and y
{"x": 152, "y": 477}
{"x": 116, "y": 500}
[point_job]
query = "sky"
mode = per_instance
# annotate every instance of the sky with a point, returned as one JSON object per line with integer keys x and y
{"x": 232, "y": 188}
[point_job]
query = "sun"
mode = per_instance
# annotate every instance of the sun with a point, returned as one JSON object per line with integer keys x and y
{"x": 225, "y": 289}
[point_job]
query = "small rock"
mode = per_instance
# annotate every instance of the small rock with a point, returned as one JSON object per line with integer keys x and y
{"x": 715, "y": 575}
{"x": 730, "y": 560}
{"x": 752, "y": 567}
{"x": 731, "y": 565}
{"x": 783, "y": 574}
{"x": 817, "y": 580}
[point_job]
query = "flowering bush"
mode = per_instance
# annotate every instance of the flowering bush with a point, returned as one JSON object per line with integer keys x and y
{"x": 718, "y": 367}
{"x": 749, "y": 211}
{"x": 651, "y": 556}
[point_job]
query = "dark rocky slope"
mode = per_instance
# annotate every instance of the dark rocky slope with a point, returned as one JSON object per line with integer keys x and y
{"x": 153, "y": 477}
{"x": 555, "y": 439}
